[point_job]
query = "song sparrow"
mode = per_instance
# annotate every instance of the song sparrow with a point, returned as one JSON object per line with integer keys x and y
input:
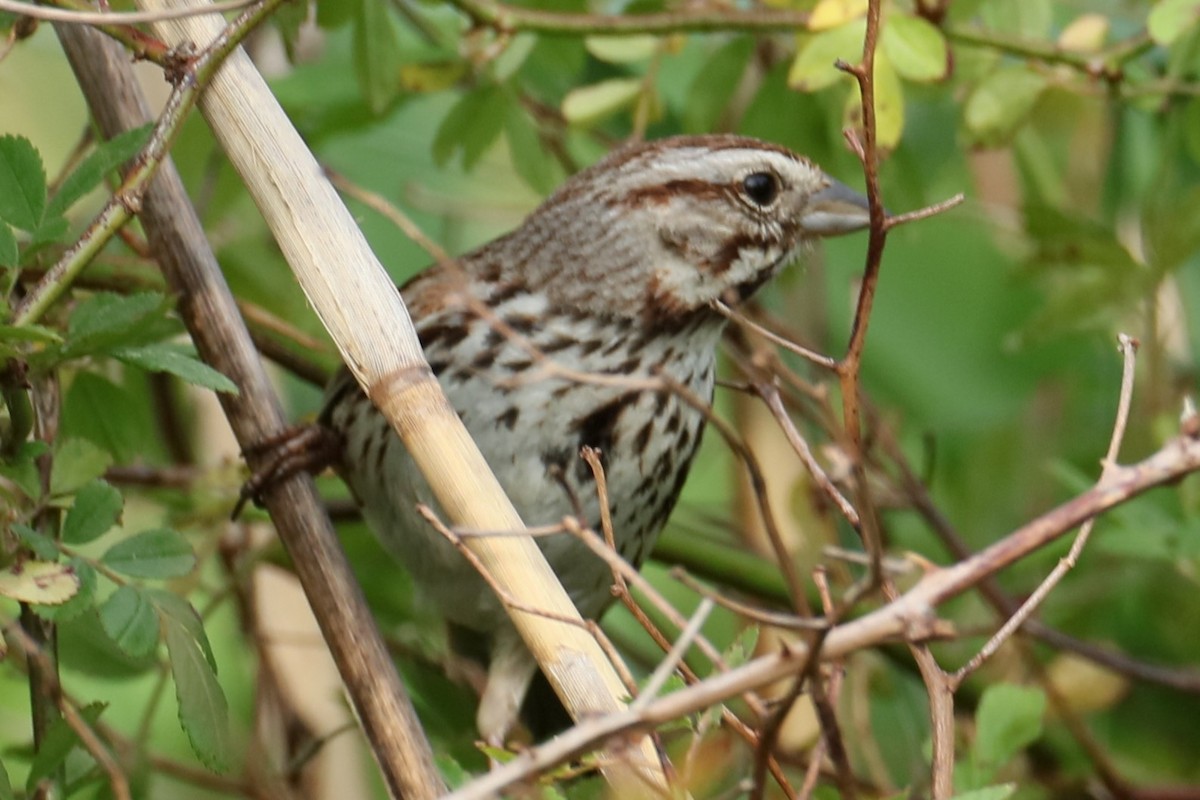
{"x": 614, "y": 275}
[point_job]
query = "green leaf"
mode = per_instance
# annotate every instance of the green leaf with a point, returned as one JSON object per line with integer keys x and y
{"x": 106, "y": 321}
{"x": 43, "y": 546}
{"x": 1001, "y": 102}
{"x": 710, "y": 93}
{"x": 889, "y": 104}
{"x": 131, "y": 621}
{"x": 22, "y": 183}
{"x": 29, "y": 334}
{"x": 472, "y": 125}
{"x": 828, "y": 14}
{"x": 178, "y": 361}
{"x": 999, "y": 792}
{"x": 203, "y": 710}
{"x": 123, "y": 430}
{"x": 377, "y": 56}
{"x": 531, "y": 160}
{"x": 813, "y": 68}
{"x": 173, "y": 609}
{"x": 916, "y": 48}
{"x": 1009, "y": 718}
{"x": 96, "y": 510}
{"x": 156, "y": 553}
{"x": 91, "y": 171}
{"x": 9, "y": 255}
{"x": 622, "y": 49}
{"x": 47, "y": 582}
{"x": 83, "y": 599}
{"x": 6, "y": 792}
{"x": 1170, "y": 19}
{"x": 76, "y": 462}
{"x": 587, "y": 105}
{"x": 510, "y": 60}
{"x": 741, "y": 648}
{"x": 58, "y": 743}
{"x": 1027, "y": 19}
{"x": 22, "y": 468}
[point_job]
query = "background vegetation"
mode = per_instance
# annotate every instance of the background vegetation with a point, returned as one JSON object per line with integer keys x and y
{"x": 991, "y": 375}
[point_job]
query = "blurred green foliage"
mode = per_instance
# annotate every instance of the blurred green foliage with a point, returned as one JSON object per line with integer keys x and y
{"x": 1074, "y": 130}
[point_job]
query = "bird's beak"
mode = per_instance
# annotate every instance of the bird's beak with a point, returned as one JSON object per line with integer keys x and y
{"x": 835, "y": 210}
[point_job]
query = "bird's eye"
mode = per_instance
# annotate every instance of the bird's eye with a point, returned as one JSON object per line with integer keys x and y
{"x": 761, "y": 187}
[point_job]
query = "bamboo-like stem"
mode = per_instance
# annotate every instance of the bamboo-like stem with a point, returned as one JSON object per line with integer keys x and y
{"x": 364, "y": 314}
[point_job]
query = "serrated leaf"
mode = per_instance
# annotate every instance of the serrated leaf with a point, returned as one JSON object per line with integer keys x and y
{"x": 1170, "y": 19}
{"x": 50, "y": 230}
{"x": 377, "y": 56}
{"x": 106, "y": 320}
{"x": 58, "y": 743}
{"x": 76, "y": 462}
{"x": 889, "y": 104}
{"x": 22, "y": 183}
{"x": 9, "y": 255}
{"x": 178, "y": 361}
{"x": 203, "y": 710}
{"x": 828, "y": 14}
{"x": 1001, "y": 102}
{"x": 587, "y": 105}
{"x": 91, "y": 171}
{"x": 916, "y": 48}
{"x": 174, "y": 609}
{"x": 47, "y": 582}
{"x": 123, "y": 432}
{"x": 131, "y": 621}
{"x": 471, "y": 126}
{"x": 531, "y": 160}
{"x": 714, "y": 85}
{"x": 96, "y": 509}
{"x": 81, "y": 601}
{"x": 813, "y": 68}
{"x": 1008, "y": 719}
{"x": 156, "y": 553}
{"x": 622, "y": 49}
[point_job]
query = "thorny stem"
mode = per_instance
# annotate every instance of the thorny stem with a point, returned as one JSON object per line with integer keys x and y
{"x": 849, "y": 367}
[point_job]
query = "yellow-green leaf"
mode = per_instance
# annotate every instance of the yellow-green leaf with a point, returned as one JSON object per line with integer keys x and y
{"x": 1170, "y": 18}
{"x": 916, "y": 48}
{"x": 1001, "y": 102}
{"x": 589, "y": 104}
{"x": 828, "y": 14}
{"x": 813, "y": 68}
{"x": 1086, "y": 34}
{"x": 435, "y": 77}
{"x": 889, "y": 104}
{"x": 621, "y": 49}
{"x": 45, "y": 582}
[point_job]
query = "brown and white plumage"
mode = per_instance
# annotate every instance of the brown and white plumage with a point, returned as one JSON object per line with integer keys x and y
{"x": 614, "y": 275}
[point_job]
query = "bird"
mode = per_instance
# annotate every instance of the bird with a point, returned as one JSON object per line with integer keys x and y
{"x": 618, "y": 273}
